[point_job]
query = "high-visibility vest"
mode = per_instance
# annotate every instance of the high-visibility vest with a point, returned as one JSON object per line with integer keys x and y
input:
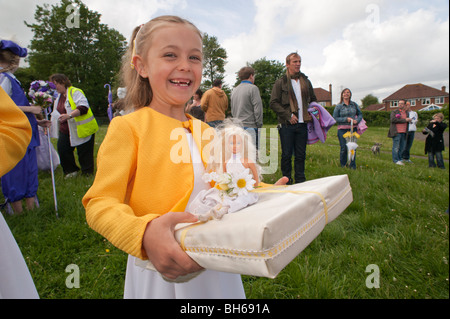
{"x": 86, "y": 124}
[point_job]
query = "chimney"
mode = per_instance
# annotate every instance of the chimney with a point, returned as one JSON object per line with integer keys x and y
{"x": 331, "y": 94}
{"x": 443, "y": 89}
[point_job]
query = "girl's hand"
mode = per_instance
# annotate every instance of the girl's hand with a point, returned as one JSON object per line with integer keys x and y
{"x": 162, "y": 248}
{"x": 35, "y": 109}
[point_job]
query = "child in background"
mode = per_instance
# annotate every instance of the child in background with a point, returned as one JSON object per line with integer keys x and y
{"x": 434, "y": 144}
{"x": 143, "y": 184}
{"x": 22, "y": 181}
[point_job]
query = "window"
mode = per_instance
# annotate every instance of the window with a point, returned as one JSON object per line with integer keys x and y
{"x": 439, "y": 100}
{"x": 394, "y": 103}
{"x": 413, "y": 102}
{"x": 426, "y": 101}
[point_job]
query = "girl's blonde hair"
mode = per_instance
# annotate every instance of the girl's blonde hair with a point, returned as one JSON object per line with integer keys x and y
{"x": 440, "y": 115}
{"x": 139, "y": 91}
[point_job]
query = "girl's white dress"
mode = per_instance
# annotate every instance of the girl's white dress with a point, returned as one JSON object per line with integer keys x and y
{"x": 15, "y": 278}
{"x": 141, "y": 283}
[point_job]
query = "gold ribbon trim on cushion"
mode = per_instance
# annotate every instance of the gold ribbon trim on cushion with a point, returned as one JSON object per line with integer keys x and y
{"x": 184, "y": 233}
{"x": 268, "y": 253}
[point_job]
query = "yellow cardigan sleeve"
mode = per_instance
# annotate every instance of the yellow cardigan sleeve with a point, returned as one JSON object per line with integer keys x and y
{"x": 137, "y": 180}
{"x": 15, "y": 133}
{"x": 107, "y": 211}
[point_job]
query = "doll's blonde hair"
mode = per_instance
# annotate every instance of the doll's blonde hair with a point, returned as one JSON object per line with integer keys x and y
{"x": 221, "y": 153}
{"x": 139, "y": 91}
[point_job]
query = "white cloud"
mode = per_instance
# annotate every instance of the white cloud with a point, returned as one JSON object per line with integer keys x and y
{"x": 409, "y": 48}
{"x": 124, "y": 16}
{"x": 12, "y": 17}
{"x": 255, "y": 43}
{"x": 284, "y": 26}
{"x": 371, "y": 46}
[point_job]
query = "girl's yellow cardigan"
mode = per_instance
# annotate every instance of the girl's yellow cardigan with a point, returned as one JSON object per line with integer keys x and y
{"x": 144, "y": 170}
{"x": 15, "y": 133}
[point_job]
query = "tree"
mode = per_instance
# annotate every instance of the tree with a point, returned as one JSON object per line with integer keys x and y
{"x": 214, "y": 60}
{"x": 69, "y": 38}
{"x": 369, "y": 100}
{"x": 266, "y": 73}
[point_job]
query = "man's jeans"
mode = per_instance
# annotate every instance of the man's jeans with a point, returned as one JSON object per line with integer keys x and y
{"x": 409, "y": 141}
{"x": 214, "y": 123}
{"x": 293, "y": 140}
{"x": 398, "y": 145}
{"x": 254, "y": 134}
{"x": 439, "y": 160}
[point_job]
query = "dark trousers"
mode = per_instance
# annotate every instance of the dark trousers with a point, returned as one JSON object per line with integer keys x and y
{"x": 85, "y": 154}
{"x": 439, "y": 159}
{"x": 293, "y": 142}
{"x": 398, "y": 145}
{"x": 409, "y": 141}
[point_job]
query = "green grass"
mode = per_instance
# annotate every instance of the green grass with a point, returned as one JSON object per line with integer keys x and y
{"x": 397, "y": 221}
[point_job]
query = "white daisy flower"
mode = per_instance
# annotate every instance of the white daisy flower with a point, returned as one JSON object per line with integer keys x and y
{"x": 224, "y": 178}
{"x": 209, "y": 177}
{"x": 242, "y": 182}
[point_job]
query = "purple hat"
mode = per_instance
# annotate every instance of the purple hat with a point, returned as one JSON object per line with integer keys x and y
{"x": 13, "y": 47}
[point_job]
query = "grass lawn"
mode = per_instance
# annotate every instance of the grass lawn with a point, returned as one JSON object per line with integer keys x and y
{"x": 396, "y": 223}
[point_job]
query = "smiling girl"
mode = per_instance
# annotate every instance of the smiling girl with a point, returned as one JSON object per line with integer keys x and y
{"x": 139, "y": 193}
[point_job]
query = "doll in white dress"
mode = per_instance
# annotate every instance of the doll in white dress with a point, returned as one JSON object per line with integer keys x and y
{"x": 235, "y": 172}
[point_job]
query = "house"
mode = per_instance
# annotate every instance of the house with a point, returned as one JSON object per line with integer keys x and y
{"x": 421, "y": 97}
{"x": 375, "y": 107}
{"x": 323, "y": 96}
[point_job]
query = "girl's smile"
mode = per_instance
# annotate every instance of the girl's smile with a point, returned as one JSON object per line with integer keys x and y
{"x": 173, "y": 67}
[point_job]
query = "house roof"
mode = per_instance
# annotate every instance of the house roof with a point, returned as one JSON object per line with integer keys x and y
{"x": 322, "y": 95}
{"x": 415, "y": 91}
{"x": 375, "y": 107}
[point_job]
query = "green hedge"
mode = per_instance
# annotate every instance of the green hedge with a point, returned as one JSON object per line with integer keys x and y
{"x": 381, "y": 118}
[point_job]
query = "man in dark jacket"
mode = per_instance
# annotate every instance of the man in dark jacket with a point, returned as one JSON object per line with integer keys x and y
{"x": 291, "y": 96}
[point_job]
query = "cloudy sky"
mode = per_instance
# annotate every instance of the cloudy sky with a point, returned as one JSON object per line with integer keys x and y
{"x": 369, "y": 46}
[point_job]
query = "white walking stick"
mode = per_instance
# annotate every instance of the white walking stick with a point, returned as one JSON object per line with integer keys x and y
{"x": 51, "y": 166}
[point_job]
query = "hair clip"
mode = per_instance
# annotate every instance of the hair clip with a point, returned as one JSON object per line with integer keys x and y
{"x": 133, "y": 53}
{"x": 134, "y": 46}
